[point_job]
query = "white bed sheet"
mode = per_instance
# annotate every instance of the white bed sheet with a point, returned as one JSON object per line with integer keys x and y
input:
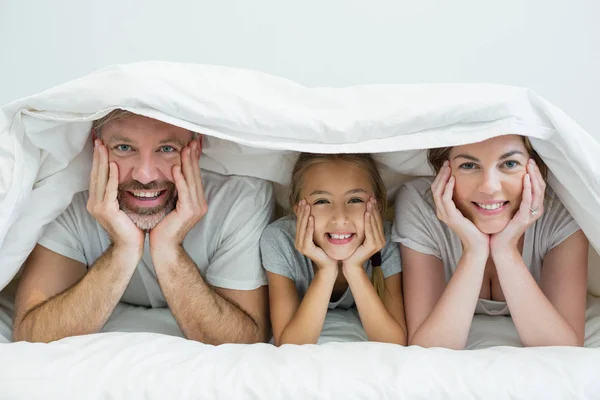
{"x": 125, "y": 363}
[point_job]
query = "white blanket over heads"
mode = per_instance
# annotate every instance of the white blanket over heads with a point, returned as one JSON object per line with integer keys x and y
{"x": 254, "y": 125}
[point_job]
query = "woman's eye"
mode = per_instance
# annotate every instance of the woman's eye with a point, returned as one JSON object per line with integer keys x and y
{"x": 511, "y": 164}
{"x": 168, "y": 149}
{"x": 468, "y": 165}
{"x": 123, "y": 147}
{"x": 320, "y": 201}
{"x": 356, "y": 200}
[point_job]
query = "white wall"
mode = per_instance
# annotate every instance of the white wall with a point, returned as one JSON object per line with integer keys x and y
{"x": 550, "y": 46}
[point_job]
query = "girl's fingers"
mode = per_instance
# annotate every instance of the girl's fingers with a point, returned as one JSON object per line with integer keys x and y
{"x": 377, "y": 222}
{"x": 310, "y": 230}
{"x": 301, "y": 223}
{"x": 440, "y": 181}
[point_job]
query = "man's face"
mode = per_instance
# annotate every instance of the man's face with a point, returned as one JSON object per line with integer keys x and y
{"x": 489, "y": 180}
{"x": 145, "y": 150}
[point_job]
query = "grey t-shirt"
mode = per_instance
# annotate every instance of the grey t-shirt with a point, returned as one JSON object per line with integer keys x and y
{"x": 280, "y": 256}
{"x": 224, "y": 244}
{"x": 417, "y": 226}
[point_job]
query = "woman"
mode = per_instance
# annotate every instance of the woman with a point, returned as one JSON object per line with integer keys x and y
{"x": 486, "y": 236}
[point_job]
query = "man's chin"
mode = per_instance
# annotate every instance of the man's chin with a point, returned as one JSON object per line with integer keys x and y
{"x": 146, "y": 222}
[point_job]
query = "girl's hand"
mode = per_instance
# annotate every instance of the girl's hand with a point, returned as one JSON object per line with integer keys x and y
{"x": 442, "y": 188}
{"x": 530, "y": 210}
{"x": 305, "y": 229}
{"x": 374, "y": 238}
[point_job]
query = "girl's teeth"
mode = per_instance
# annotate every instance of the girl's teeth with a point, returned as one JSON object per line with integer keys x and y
{"x": 336, "y": 236}
{"x": 490, "y": 206}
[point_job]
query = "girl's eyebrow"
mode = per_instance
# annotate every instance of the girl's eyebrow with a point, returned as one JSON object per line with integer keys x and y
{"x": 357, "y": 190}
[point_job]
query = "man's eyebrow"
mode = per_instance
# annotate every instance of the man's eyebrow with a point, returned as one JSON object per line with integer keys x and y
{"x": 173, "y": 139}
{"x": 510, "y": 153}
{"x": 468, "y": 157}
{"x": 119, "y": 138}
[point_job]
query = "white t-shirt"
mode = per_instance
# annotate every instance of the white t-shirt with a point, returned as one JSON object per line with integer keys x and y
{"x": 224, "y": 244}
{"x": 417, "y": 226}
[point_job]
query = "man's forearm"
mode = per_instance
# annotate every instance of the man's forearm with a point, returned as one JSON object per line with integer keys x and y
{"x": 202, "y": 314}
{"x": 84, "y": 307}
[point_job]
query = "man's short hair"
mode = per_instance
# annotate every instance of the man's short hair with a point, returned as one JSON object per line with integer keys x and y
{"x": 116, "y": 114}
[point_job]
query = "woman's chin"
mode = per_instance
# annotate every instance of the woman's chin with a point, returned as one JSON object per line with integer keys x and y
{"x": 491, "y": 227}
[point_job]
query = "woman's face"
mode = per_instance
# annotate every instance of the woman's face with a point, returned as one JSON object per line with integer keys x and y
{"x": 489, "y": 180}
{"x": 337, "y": 192}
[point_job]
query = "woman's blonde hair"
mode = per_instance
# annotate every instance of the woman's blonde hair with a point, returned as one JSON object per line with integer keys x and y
{"x": 364, "y": 161}
{"x": 436, "y": 157}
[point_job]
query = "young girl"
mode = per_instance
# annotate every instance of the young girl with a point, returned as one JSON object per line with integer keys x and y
{"x": 487, "y": 236}
{"x": 322, "y": 257}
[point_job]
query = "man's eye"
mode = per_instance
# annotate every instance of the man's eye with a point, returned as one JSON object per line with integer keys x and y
{"x": 123, "y": 147}
{"x": 321, "y": 201}
{"x": 168, "y": 149}
{"x": 511, "y": 164}
{"x": 468, "y": 165}
{"x": 356, "y": 200}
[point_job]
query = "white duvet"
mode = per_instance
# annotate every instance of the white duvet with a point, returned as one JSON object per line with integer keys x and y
{"x": 254, "y": 125}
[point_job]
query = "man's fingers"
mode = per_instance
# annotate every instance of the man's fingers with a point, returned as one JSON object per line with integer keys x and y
{"x": 112, "y": 186}
{"x": 94, "y": 173}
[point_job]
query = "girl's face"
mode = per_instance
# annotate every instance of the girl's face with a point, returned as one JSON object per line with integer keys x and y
{"x": 337, "y": 192}
{"x": 489, "y": 180}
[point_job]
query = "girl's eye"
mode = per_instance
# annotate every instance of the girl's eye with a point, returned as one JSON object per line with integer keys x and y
{"x": 511, "y": 164}
{"x": 356, "y": 200}
{"x": 168, "y": 149}
{"x": 321, "y": 201}
{"x": 468, "y": 165}
{"x": 123, "y": 147}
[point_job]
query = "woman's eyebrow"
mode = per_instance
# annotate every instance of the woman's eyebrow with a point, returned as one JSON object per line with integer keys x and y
{"x": 511, "y": 153}
{"x": 468, "y": 157}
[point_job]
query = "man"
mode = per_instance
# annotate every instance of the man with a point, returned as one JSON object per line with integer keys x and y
{"x": 155, "y": 231}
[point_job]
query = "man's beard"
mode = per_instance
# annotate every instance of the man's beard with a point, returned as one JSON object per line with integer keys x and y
{"x": 146, "y": 218}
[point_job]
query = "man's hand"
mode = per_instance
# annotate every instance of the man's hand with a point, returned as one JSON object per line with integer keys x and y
{"x": 104, "y": 206}
{"x": 191, "y": 203}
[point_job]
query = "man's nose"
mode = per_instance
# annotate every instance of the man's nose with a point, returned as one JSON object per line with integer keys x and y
{"x": 145, "y": 170}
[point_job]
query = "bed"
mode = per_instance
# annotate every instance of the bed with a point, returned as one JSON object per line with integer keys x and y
{"x": 255, "y": 124}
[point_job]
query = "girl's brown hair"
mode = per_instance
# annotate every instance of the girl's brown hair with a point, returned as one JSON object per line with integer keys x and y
{"x": 364, "y": 161}
{"x": 436, "y": 157}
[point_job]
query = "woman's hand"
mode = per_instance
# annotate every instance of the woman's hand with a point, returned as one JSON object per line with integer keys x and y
{"x": 442, "y": 188}
{"x": 530, "y": 210}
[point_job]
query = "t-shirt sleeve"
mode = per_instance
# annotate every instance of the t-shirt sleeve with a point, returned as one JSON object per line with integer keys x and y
{"x": 558, "y": 224}
{"x": 390, "y": 254}
{"x": 236, "y": 261}
{"x": 276, "y": 250}
{"x": 62, "y": 236}
{"x": 415, "y": 221}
